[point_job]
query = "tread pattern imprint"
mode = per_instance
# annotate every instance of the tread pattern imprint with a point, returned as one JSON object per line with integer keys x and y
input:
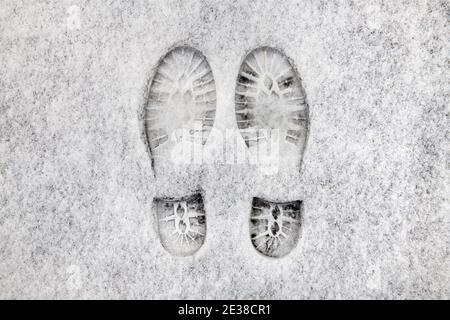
{"x": 181, "y": 224}
{"x": 182, "y": 100}
{"x": 275, "y": 226}
{"x": 269, "y": 95}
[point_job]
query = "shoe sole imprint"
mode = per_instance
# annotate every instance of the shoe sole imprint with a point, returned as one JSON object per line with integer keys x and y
{"x": 181, "y": 101}
{"x": 181, "y": 224}
{"x": 269, "y": 95}
{"x": 275, "y": 226}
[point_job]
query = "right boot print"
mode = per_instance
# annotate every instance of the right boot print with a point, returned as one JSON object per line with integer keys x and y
{"x": 273, "y": 118}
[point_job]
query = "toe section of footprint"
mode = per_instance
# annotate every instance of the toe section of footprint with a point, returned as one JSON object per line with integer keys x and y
{"x": 270, "y": 104}
{"x": 275, "y": 226}
{"x": 181, "y": 105}
{"x": 181, "y": 224}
